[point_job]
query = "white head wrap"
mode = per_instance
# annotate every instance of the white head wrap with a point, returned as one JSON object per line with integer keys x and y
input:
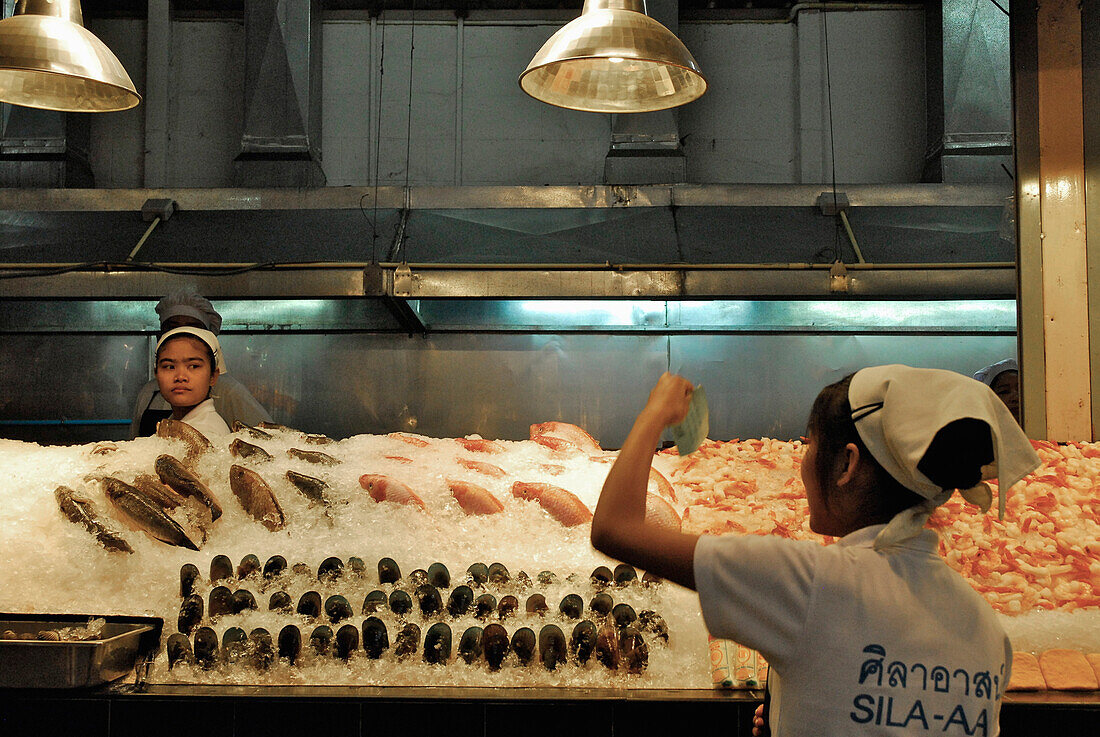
{"x": 206, "y": 337}
{"x": 990, "y": 373}
{"x": 192, "y": 305}
{"x": 898, "y": 410}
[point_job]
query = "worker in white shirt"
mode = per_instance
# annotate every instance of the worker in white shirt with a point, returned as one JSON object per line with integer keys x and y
{"x": 874, "y": 634}
{"x": 232, "y": 400}
{"x": 188, "y": 364}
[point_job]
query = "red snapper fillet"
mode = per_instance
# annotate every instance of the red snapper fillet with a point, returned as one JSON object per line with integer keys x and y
{"x": 479, "y": 445}
{"x": 384, "y": 489}
{"x": 564, "y": 506}
{"x": 560, "y": 435}
{"x": 474, "y": 499}
{"x": 486, "y": 468}
{"x": 416, "y": 440}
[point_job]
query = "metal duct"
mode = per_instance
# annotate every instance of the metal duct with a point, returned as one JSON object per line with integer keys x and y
{"x": 645, "y": 147}
{"x": 969, "y": 92}
{"x": 43, "y": 148}
{"x": 281, "y": 142}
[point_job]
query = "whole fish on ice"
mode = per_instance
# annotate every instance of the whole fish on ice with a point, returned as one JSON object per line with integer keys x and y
{"x": 414, "y": 440}
{"x": 474, "y": 499}
{"x": 83, "y": 512}
{"x": 312, "y": 488}
{"x": 253, "y": 432}
{"x": 479, "y": 445}
{"x": 196, "y": 442}
{"x": 144, "y": 514}
{"x": 564, "y": 506}
{"x": 563, "y": 436}
{"x": 256, "y": 497}
{"x": 159, "y": 492}
{"x": 199, "y": 516}
{"x": 183, "y": 482}
{"x": 313, "y": 456}
{"x": 385, "y": 489}
{"x": 240, "y": 449}
{"x": 481, "y": 467}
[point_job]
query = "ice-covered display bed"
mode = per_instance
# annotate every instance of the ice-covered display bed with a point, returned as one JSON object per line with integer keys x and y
{"x": 432, "y": 504}
{"x": 55, "y": 565}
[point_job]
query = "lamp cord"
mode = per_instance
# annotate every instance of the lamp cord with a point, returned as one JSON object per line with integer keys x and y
{"x": 377, "y": 136}
{"x": 403, "y": 233}
{"x": 832, "y": 145}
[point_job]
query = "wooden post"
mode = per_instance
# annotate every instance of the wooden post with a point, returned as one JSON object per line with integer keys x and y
{"x": 1055, "y": 319}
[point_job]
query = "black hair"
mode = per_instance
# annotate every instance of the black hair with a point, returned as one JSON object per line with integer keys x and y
{"x": 209, "y": 350}
{"x": 954, "y": 458}
{"x": 831, "y": 428}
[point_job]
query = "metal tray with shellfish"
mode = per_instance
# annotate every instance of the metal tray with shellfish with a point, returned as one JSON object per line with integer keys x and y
{"x": 74, "y": 650}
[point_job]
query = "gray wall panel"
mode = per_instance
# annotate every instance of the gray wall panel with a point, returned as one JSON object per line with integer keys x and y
{"x": 117, "y": 140}
{"x": 763, "y": 385}
{"x": 765, "y": 118}
{"x": 495, "y": 385}
{"x": 510, "y": 138}
{"x": 206, "y": 105}
{"x": 748, "y": 69}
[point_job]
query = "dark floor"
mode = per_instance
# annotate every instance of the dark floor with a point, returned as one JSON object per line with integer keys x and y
{"x": 368, "y": 712}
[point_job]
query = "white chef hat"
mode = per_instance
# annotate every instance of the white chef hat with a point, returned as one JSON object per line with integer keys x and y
{"x": 990, "y": 373}
{"x": 192, "y": 305}
{"x": 898, "y": 410}
{"x": 206, "y": 337}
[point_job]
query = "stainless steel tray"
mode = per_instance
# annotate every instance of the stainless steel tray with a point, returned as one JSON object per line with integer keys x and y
{"x": 124, "y": 643}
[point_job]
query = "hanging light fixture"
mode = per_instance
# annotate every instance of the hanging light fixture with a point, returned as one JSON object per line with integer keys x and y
{"x": 49, "y": 60}
{"x": 613, "y": 59}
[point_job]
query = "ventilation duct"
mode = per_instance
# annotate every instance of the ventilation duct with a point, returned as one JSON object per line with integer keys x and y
{"x": 645, "y": 147}
{"x": 969, "y": 92}
{"x": 281, "y": 141}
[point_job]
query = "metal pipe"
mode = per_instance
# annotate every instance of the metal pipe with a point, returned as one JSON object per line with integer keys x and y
{"x": 54, "y": 423}
{"x": 852, "y": 237}
{"x": 511, "y": 267}
{"x": 145, "y": 237}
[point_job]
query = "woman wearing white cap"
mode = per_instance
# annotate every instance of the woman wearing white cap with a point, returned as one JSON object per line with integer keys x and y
{"x": 189, "y": 361}
{"x": 232, "y": 399}
{"x": 1003, "y": 378}
{"x": 874, "y": 634}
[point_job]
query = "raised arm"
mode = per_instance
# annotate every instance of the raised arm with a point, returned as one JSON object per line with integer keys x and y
{"x": 618, "y": 525}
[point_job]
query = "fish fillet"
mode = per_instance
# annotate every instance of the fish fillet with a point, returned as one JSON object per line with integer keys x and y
{"x": 474, "y": 499}
{"x": 384, "y": 489}
{"x": 564, "y": 506}
{"x": 553, "y": 434}
{"x": 486, "y": 468}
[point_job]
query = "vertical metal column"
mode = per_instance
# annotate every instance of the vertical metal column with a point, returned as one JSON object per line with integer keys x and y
{"x": 1029, "y": 260}
{"x": 281, "y": 142}
{"x": 1057, "y": 324}
{"x": 158, "y": 60}
{"x": 1090, "y": 87}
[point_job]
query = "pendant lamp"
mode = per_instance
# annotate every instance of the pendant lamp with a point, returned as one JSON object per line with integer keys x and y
{"x": 613, "y": 59}
{"x": 49, "y": 60}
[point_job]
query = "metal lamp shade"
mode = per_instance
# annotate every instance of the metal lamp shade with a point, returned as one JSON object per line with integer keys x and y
{"x": 613, "y": 60}
{"x": 55, "y": 64}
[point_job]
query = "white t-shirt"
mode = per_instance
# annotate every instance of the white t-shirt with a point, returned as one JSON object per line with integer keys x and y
{"x": 860, "y": 641}
{"x": 204, "y": 418}
{"x": 231, "y": 398}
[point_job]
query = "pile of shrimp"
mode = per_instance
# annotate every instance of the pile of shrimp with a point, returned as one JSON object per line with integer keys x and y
{"x": 1044, "y": 555}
